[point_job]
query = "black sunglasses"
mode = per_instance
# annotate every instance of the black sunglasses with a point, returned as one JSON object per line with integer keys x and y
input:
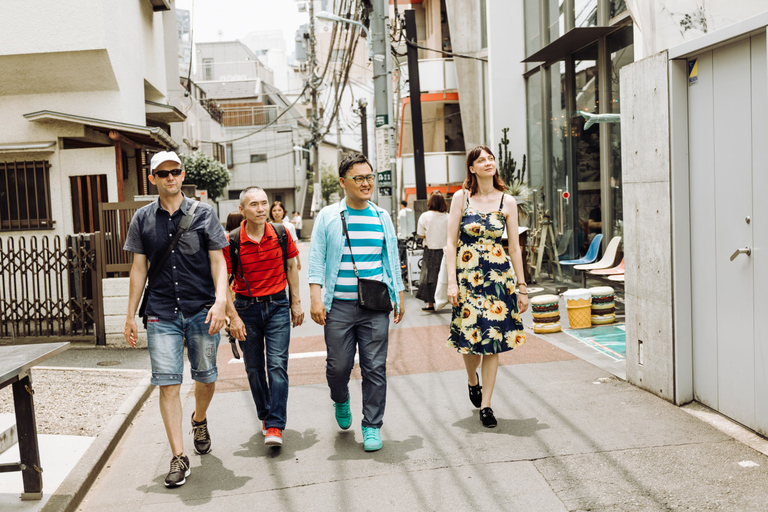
{"x": 164, "y": 174}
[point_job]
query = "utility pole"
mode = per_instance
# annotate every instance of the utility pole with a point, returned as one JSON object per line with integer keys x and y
{"x": 362, "y": 104}
{"x": 415, "y": 94}
{"x": 315, "y": 121}
{"x": 381, "y": 83}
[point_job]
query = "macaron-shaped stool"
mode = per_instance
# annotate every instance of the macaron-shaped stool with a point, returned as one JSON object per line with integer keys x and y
{"x": 603, "y": 305}
{"x": 578, "y": 302}
{"x": 546, "y": 313}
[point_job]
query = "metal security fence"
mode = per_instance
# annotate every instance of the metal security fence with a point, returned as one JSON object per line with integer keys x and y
{"x": 49, "y": 290}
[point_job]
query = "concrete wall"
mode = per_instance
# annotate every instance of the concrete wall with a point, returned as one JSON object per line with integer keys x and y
{"x": 115, "y": 307}
{"x": 464, "y": 20}
{"x": 506, "y": 50}
{"x": 645, "y": 152}
{"x": 663, "y": 24}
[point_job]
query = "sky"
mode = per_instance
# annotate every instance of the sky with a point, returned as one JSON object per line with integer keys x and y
{"x": 236, "y": 18}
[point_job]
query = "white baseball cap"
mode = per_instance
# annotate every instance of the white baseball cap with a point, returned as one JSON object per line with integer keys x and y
{"x": 163, "y": 156}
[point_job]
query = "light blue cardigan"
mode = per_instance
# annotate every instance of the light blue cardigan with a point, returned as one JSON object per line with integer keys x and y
{"x": 326, "y": 247}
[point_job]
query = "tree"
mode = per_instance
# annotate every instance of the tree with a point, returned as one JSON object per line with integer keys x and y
{"x": 329, "y": 183}
{"x": 206, "y": 173}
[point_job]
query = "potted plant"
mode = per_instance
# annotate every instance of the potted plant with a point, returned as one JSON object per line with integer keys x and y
{"x": 514, "y": 178}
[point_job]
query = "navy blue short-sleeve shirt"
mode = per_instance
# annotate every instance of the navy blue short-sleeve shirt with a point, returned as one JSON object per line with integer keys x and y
{"x": 185, "y": 282}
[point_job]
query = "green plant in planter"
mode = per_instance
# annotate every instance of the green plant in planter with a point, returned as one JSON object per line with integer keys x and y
{"x": 514, "y": 178}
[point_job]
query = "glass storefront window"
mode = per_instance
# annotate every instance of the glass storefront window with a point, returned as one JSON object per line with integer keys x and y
{"x": 535, "y": 149}
{"x": 620, "y": 46}
{"x": 532, "y": 32}
{"x": 586, "y": 151}
{"x": 618, "y": 7}
{"x": 586, "y": 13}
{"x": 561, "y": 208}
{"x": 556, "y": 19}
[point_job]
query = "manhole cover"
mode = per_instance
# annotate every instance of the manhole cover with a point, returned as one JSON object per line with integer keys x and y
{"x": 108, "y": 363}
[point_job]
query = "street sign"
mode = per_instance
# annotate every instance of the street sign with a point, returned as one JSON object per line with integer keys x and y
{"x": 382, "y": 150}
{"x": 381, "y": 120}
{"x": 385, "y": 178}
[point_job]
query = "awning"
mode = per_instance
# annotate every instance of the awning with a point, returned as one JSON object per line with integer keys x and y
{"x": 28, "y": 147}
{"x": 160, "y": 5}
{"x": 145, "y": 135}
{"x": 162, "y": 113}
{"x": 570, "y": 42}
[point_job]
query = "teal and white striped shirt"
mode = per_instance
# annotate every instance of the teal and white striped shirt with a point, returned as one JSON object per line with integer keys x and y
{"x": 367, "y": 237}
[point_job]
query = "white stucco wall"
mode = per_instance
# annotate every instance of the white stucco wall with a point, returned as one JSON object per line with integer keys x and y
{"x": 506, "y": 50}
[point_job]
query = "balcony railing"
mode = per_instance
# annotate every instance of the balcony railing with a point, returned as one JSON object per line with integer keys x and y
{"x": 434, "y": 75}
{"x": 257, "y": 115}
{"x": 440, "y": 168}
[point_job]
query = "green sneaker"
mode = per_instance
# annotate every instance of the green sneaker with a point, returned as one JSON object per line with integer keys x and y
{"x": 343, "y": 414}
{"x": 372, "y": 439}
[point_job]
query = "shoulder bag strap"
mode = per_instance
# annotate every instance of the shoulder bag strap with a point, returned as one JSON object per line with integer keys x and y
{"x": 346, "y": 233}
{"x": 154, "y": 270}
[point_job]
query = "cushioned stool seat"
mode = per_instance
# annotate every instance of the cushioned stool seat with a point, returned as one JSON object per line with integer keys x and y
{"x": 603, "y": 305}
{"x": 546, "y": 313}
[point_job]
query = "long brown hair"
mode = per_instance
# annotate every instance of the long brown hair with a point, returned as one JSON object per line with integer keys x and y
{"x": 471, "y": 182}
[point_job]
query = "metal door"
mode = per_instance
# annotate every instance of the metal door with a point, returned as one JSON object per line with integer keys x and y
{"x": 727, "y": 138}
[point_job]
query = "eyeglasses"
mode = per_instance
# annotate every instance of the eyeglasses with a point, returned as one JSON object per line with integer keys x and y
{"x": 164, "y": 174}
{"x": 370, "y": 178}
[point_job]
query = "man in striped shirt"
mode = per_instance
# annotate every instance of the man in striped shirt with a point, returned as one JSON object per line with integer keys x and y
{"x": 334, "y": 294}
{"x": 261, "y": 315}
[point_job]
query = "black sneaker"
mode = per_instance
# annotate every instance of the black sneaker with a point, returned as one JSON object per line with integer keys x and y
{"x": 476, "y": 392}
{"x": 487, "y": 417}
{"x": 179, "y": 472}
{"x": 201, "y": 436}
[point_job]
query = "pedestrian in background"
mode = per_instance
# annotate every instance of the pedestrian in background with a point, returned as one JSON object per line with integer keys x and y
{"x": 297, "y": 223}
{"x": 187, "y": 301}
{"x": 333, "y": 285}
{"x": 433, "y": 228}
{"x": 234, "y": 219}
{"x": 481, "y": 278}
{"x": 277, "y": 214}
{"x": 261, "y": 314}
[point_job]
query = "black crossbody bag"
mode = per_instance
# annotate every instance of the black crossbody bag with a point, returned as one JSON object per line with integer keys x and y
{"x": 373, "y": 295}
{"x": 154, "y": 270}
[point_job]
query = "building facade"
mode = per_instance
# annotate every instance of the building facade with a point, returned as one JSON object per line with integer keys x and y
{"x": 84, "y": 103}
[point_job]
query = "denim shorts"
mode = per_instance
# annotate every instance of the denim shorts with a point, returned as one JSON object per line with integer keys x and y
{"x": 165, "y": 341}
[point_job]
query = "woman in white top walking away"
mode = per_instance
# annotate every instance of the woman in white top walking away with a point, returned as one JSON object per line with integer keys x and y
{"x": 433, "y": 228}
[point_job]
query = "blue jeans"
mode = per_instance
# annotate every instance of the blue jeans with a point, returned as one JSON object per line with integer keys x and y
{"x": 267, "y": 325}
{"x": 347, "y": 327}
{"x": 165, "y": 341}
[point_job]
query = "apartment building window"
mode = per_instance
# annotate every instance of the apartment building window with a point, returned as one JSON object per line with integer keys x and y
{"x": 87, "y": 193}
{"x": 230, "y": 157}
{"x": 25, "y": 195}
{"x": 208, "y": 69}
{"x": 337, "y": 55}
{"x": 258, "y": 158}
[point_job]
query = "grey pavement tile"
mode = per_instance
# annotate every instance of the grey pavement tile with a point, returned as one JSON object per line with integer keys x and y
{"x": 689, "y": 477}
{"x": 507, "y": 486}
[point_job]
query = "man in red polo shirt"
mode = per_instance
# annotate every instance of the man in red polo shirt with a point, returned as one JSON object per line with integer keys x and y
{"x": 261, "y": 315}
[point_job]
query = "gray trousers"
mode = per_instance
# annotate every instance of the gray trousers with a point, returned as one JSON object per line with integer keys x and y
{"x": 349, "y": 327}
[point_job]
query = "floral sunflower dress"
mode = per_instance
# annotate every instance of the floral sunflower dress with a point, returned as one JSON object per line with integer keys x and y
{"x": 487, "y": 320}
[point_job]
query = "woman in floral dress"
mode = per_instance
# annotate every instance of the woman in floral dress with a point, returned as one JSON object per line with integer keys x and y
{"x": 481, "y": 281}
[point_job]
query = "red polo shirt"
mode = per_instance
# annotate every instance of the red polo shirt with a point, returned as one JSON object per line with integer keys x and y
{"x": 261, "y": 263}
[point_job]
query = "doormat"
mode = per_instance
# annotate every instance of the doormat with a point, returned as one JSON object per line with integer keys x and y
{"x": 610, "y": 340}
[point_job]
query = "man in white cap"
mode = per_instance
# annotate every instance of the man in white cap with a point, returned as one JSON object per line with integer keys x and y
{"x": 184, "y": 301}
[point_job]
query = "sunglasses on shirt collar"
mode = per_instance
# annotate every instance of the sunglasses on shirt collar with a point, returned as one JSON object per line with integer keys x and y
{"x": 164, "y": 174}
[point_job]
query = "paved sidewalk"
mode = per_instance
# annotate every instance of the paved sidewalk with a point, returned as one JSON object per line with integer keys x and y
{"x": 570, "y": 437}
